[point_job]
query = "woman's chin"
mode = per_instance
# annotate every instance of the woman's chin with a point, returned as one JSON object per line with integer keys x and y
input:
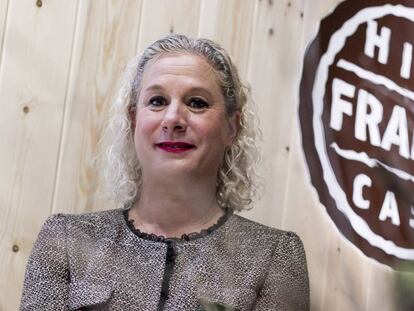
{"x": 179, "y": 169}
{"x": 174, "y": 168}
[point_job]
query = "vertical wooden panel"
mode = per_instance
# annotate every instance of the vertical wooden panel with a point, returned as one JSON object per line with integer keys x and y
{"x": 341, "y": 276}
{"x": 345, "y": 276}
{"x": 160, "y": 17}
{"x": 381, "y": 293}
{"x": 4, "y": 5}
{"x": 330, "y": 257}
{"x": 306, "y": 216}
{"x": 230, "y": 24}
{"x": 274, "y": 71}
{"x": 338, "y": 270}
{"x": 33, "y": 78}
{"x": 106, "y": 37}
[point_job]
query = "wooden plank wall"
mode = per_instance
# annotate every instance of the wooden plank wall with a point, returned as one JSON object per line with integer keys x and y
{"x": 59, "y": 66}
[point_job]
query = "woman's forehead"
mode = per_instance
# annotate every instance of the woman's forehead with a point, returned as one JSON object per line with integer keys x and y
{"x": 180, "y": 65}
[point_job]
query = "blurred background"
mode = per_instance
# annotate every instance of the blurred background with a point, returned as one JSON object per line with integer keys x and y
{"x": 60, "y": 62}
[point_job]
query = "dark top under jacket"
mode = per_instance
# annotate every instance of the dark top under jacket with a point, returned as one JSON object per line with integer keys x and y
{"x": 98, "y": 261}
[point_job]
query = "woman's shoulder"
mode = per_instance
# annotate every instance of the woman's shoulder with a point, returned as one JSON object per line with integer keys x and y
{"x": 87, "y": 218}
{"x": 284, "y": 246}
{"x": 256, "y": 228}
{"x": 86, "y": 222}
{"x": 259, "y": 232}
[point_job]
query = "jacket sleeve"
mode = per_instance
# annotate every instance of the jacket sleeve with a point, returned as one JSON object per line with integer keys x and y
{"x": 47, "y": 274}
{"x": 286, "y": 286}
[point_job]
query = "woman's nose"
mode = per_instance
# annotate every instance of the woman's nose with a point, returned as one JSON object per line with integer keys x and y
{"x": 174, "y": 117}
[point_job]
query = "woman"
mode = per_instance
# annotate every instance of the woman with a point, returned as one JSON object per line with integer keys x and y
{"x": 180, "y": 163}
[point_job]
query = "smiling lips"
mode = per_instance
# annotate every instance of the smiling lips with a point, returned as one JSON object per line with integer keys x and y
{"x": 175, "y": 147}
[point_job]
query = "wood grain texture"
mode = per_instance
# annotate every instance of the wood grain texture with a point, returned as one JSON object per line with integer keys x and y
{"x": 230, "y": 23}
{"x": 105, "y": 40}
{"x": 346, "y": 275}
{"x": 341, "y": 276}
{"x": 33, "y": 79}
{"x": 332, "y": 260}
{"x": 274, "y": 71}
{"x": 161, "y": 17}
{"x": 4, "y": 7}
{"x": 381, "y": 291}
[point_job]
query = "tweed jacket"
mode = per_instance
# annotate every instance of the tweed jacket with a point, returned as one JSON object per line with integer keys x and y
{"x": 99, "y": 261}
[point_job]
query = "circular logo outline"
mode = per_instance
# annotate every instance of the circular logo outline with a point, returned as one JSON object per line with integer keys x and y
{"x": 336, "y": 43}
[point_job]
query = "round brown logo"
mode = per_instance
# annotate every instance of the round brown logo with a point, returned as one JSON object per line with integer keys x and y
{"x": 357, "y": 118}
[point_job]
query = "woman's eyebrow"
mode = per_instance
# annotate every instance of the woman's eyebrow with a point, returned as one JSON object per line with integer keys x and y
{"x": 202, "y": 90}
{"x": 154, "y": 87}
{"x": 194, "y": 89}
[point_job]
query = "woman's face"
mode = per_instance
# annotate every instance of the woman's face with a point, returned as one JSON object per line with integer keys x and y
{"x": 180, "y": 124}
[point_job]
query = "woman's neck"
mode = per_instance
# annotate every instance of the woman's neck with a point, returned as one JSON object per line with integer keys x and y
{"x": 174, "y": 208}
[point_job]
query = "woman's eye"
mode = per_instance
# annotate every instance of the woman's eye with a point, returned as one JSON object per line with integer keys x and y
{"x": 157, "y": 101}
{"x": 198, "y": 103}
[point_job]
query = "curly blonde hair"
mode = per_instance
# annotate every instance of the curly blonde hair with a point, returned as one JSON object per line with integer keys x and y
{"x": 237, "y": 178}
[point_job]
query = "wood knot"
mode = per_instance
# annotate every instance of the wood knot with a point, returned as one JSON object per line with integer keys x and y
{"x": 26, "y": 109}
{"x": 39, "y": 3}
{"x": 15, "y": 248}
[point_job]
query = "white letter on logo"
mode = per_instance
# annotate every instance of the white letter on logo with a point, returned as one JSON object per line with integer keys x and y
{"x": 396, "y": 132}
{"x": 360, "y": 182}
{"x": 407, "y": 57}
{"x": 412, "y": 219}
{"x": 340, "y": 106}
{"x": 381, "y": 41}
{"x": 389, "y": 209}
{"x": 363, "y": 119}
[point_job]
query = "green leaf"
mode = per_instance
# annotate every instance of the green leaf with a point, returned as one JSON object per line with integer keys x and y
{"x": 215, "y": 306}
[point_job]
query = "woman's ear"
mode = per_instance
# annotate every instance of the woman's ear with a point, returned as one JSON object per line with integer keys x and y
{"x": 233, "y": 127}
{"x": 132, "y": 111}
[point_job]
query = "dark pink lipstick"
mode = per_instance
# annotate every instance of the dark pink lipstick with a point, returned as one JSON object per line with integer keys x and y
{"x": 175, "y": 146}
